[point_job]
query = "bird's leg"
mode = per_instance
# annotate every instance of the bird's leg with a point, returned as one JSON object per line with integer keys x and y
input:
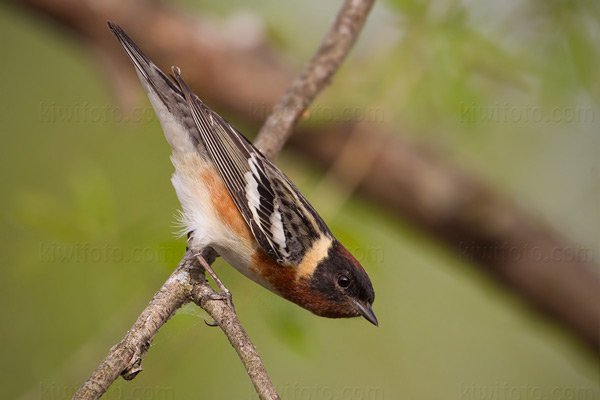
{"x": 224, "y": 294}
{"x": 212, "y": 274}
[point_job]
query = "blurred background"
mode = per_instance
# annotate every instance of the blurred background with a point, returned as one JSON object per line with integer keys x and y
{"x": 500, "y": 95}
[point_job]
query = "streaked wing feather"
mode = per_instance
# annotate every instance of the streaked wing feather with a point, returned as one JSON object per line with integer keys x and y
{"x": 280, "y": 218}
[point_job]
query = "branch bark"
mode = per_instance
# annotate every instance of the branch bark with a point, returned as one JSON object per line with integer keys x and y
{"x": 125, "y": 357}
{"x": 187, "y": 283}
{"x": 316, "y": 75}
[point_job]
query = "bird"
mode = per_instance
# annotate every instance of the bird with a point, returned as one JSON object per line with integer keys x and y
{"x": 240, "y": 204}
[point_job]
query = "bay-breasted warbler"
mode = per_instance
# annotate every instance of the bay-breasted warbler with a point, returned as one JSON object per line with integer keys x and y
{"x": 240, "y": 204}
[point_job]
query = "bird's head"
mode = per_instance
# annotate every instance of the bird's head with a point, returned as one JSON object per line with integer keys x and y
{"x": 342, "y": 285}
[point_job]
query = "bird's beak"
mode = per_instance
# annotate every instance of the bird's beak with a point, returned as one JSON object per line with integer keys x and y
{"x": 367, "y": 312}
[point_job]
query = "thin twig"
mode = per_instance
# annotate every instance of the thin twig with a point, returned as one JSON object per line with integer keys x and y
{"x": 125, "y": 357}
{"x": 227, "y": 320}
{"x": 316, "y": 75}
{"x": 187, "y": 282}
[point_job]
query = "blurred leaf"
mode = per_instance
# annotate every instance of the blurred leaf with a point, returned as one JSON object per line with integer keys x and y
{"x": 567, "y": 44}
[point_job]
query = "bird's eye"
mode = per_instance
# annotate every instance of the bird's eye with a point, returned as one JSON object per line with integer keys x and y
{"x": 343, "y": 281}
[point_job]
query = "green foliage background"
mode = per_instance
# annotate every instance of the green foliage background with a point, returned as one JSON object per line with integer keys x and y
{"x": 87, "y": 211}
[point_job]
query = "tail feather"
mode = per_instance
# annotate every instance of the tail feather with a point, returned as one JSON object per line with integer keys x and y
{"x": 153, "y": 79}
{"x": 166, "y": 97}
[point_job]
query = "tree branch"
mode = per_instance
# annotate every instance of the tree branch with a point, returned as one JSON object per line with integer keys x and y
{"x": 125, "y": 357}
{"x": 483, "y": 227}
{"x": 227, "y": 320}
{"x": 187, "y": 283}
{"x": 316, "y": 75}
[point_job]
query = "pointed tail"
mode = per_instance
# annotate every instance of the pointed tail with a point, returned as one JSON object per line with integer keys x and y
{"x": 155, "y": 82}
